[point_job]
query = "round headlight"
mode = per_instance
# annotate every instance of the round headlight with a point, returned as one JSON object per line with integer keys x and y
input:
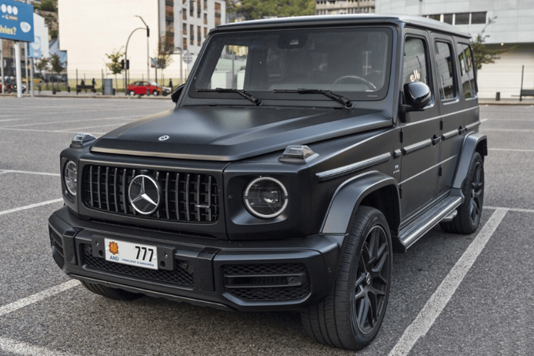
{"x": 71, "y": 177}
{"x": 266, "y": 197}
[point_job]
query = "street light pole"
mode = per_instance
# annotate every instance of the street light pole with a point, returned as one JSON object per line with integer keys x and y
{"x": 147, "y": 49}
{"x": 126, "y": 59}
{"x": 181, "y": 31}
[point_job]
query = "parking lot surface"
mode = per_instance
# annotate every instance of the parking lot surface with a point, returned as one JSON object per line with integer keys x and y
{"x": 451, "y": 294}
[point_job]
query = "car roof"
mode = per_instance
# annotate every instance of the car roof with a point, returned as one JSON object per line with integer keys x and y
{"x": 324, "y": 20}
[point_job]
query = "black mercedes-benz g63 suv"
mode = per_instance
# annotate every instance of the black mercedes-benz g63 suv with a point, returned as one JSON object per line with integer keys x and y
{"x": 301, "y": 153}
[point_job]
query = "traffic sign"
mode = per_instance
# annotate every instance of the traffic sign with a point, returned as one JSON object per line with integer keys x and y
{"x": 16, "y": 21}
{"x": 188, "y": 58}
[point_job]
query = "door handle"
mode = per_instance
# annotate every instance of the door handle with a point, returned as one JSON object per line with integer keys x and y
{"x": 461, "y": 130}
{"x": 435, "y": 140}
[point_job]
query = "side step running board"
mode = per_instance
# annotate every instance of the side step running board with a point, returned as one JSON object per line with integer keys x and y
{"x": 441, "y": 211}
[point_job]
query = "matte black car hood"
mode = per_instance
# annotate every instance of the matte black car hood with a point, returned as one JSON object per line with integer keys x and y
{"x": 233, "y": 133}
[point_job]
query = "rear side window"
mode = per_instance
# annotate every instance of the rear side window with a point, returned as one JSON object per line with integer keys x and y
{"x": 415, "y": 61}
{"x": 467, "y": 72}
{"x": 445, "y": 72}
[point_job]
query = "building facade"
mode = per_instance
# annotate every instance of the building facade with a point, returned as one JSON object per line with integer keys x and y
{"x": 506, "y": 24}
{"x": 89, "y": 30}
{"x": 339, "y": 7}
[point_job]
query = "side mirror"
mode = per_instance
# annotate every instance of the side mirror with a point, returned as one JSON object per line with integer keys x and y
{"x": 417, "y": 95}
{"x": 176, "y": 94}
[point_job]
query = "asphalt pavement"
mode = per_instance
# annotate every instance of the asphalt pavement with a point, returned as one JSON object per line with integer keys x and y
{"x": 451, "y": 294}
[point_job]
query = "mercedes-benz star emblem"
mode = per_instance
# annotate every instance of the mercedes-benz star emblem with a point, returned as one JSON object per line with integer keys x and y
{"x": 144, "y": 194}
{"x": 164, "y": 138}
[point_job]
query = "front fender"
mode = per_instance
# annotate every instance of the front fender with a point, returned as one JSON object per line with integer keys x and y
{"x": 348, "y": 197}
{"x": 471, "y": 142}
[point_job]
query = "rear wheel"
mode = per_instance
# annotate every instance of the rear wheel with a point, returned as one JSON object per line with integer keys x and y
{"x": 108, "y": 292}
{"x": 351, "y": 315}
{"x": 468, "y": 218}
{"x": 155, "y": 93}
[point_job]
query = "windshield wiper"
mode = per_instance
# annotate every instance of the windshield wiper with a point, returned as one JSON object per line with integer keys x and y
{"x": 328, "y": 93}
{"x": 241, "y": 92}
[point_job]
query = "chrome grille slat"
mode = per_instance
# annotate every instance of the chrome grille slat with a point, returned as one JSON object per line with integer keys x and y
{"x": 124, "y": 172}
{"x": 198, "y": 198}
{"x": 115, "y": 190}
{"x": 91, "y": 185}
{"x": 98, "y": 189}
{"x": 107, "y": 188}
{"x": 177, "y": 196}
{"x": 185, "y": 196}
{"x": 167, "y": 196}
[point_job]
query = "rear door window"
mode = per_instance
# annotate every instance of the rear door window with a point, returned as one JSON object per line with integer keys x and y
{"x": 467, "y": 72}
{"x": 445, "y": 70}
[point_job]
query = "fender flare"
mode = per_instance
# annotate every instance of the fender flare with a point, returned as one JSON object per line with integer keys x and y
{"x": 348, "y": 197}
{"x": 469, "y": 148}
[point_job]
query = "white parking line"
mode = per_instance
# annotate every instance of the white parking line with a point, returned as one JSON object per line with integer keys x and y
{"x": 28, "y": 172}
{"x": 509, "y": 150}
{"x": 435, "y": 305}
{"x": 512, "y": 209}
{"x": 78, "y": 129}
{"x": 22, "y": 348}
{"x": 509, "y": 130}
{"x": 21, "y": 303}
{"x": 31, "y": 206}
{"x": 9, "y": 120}
{"x": 79, "y": 120}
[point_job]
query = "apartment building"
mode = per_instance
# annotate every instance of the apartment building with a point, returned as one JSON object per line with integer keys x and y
{"x": 339, "y": 7}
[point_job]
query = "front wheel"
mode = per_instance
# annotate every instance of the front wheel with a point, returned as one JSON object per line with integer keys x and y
{"x": 155, "y": 93}
{"x": 351, "y": 315}
{"x": 132, "y": 93}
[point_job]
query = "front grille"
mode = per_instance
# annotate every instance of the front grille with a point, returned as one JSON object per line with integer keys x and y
{"x": 185, "y": 197}
{"x": 267, "y": 282}
{"x": 182, "y": 275}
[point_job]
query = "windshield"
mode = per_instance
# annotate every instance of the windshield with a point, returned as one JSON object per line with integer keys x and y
{"x": 154, "y": 84}
{"x": 351, "y": 61}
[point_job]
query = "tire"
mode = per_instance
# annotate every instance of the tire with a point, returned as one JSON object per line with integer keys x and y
{"x": 131, "y": 93}
{"x": 108, "y": 292}
{"x": 155, "y": 93}
{"x": 352, "y": 313}
{"x": 468, "y": 217}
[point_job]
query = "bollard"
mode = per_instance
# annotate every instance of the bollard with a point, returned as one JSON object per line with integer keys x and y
{"x": 498, "y": 96}
{"x": 68, "y": 89}
{"x": 54, "y": 90}
{"x": 147, "y": 91}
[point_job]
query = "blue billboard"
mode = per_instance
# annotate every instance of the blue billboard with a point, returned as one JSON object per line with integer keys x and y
{"x": 16, "y": 21}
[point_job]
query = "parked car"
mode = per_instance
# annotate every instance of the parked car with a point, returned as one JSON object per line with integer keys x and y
{"x": 144, "y": 87}
{"x": 288, "y": 184}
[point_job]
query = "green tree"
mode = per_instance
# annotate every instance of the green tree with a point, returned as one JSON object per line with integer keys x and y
{"x": 115, "y": 65}
{"x": 41, "y": 65}
{"x": 48, "y": 5}
{"x": 55, "y": 63}
{"x": 484, "y": 54}
{"x": 258, "y": 9}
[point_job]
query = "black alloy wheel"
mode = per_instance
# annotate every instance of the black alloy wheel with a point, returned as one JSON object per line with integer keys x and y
{"x": 351, "y": 314}
{"x": 469, "y": 213}
{"x": 477, "y": 193}
{"x": 372, "y": 284}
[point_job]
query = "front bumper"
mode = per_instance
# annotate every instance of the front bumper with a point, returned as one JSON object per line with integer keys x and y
{"x": 242, "y": 275}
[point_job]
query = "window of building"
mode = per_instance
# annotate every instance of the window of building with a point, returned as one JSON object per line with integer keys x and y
{"x": 447, "y": 18}
{"x": 478, "y": 18}
{"x": 445, "y": 71}
{"x": 205, "y": 32}
{"x": 467, "y": 72}
{"x": 184, "y": 43}
{"x": 205, "y": 19}
{"x": 191, "y": 35}
{"x": 199, "y": 9}
{"x": 435, "y": 17}
{"x": 205, "y": 5}
{"x": 199, "y": 36}
{"x": 191, "y": 9}
{"x": 217, "y": 14}
{"x": 415, "y": 61}
{"x": 462, "y": 19}
{"x": 184, "y": 29}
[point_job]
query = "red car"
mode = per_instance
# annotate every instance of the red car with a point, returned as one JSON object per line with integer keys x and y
{"x": 140, "y": 88}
